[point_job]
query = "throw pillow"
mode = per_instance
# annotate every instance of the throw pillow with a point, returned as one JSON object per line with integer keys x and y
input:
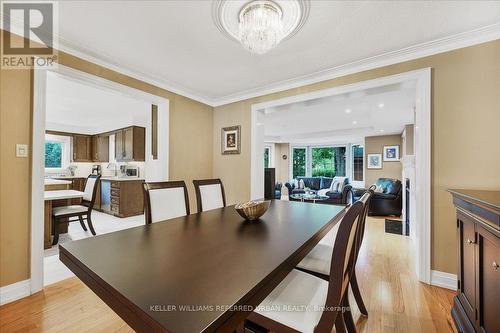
{"x": 302, "y": 184}
{"x": 295, "y": 183}
{"x": 379, "y": 189}
{"x": 335, "y": 187}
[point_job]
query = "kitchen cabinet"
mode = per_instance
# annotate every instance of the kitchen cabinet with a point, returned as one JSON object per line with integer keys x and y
{"x": 82, "y": 148}
{"x": 122, "y": 198}
{"x": 478, "y": 232}
{"x": 130, "y": 144}
{"x": 100, "y": 148}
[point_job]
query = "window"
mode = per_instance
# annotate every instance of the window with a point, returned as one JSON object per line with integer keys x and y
{"x": 328, "y": 161}
{"x": 53, "y": 154}
{"x": 298, "y": 162}
{"x": 266, "y": 157}
{"x": 357, "y": 162}
{"x": 57, "y": 151}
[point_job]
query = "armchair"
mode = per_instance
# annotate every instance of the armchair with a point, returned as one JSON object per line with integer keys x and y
{"x": 387, "y": 202}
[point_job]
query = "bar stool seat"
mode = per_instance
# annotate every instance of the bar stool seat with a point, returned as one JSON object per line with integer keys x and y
{"x": 72, "y": 209}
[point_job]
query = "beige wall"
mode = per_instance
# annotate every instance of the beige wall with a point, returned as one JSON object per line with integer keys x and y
{"x": 409, "y": 141}
{"x": 281, "y": 165}
{"x": 465, "y": 118}
{"x": 191, "y": 152}
{"x": 375, "y": 145}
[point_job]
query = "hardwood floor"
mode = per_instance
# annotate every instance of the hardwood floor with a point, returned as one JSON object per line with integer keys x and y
{"x": 396, "y": 301}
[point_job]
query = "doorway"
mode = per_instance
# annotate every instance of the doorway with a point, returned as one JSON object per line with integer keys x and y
{"x": 420, "y": 203}
{"x": 154, "y": 169}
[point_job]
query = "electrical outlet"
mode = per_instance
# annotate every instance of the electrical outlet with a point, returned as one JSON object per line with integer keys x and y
{"x": 21, "y": 150}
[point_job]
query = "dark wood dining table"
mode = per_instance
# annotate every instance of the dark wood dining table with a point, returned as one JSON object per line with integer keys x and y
{"x": 204, "y": 272}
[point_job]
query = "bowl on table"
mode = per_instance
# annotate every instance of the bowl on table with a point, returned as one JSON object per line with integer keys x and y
{"x": 252, "y": 210}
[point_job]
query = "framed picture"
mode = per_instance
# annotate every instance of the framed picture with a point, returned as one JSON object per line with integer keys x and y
{"x": 374, "y": 161}
{"x": 391, "y": 153}
{"x": 231, "y": 140}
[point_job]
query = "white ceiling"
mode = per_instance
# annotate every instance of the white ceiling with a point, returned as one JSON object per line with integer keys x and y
{"x": 79, "y": 108}
{"x": 175, "y": 44}
{"x": 342, "y": 118}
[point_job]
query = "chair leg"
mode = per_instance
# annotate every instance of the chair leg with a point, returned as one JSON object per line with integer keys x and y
{"x": 82, "y": 223}
{"x": 340, "y": 324}
{"x": 357, "y": 294}
{"x": 349, "y": 321}
{"x": 55, "y": 229}
{"x": 91, "y": 227}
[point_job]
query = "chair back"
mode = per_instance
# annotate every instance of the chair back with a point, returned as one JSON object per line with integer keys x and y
{"x": 165, "y": 200}
{"x": 340, "y": 267}
{"x": 209, "y": 194}
{"x": 365, "y": 199}
{"x": 90, "y": 191}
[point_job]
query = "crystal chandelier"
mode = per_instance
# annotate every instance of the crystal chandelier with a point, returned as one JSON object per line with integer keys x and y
{"x": 260, "y": 26}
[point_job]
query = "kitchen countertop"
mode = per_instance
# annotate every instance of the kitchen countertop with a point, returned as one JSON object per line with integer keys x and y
{"x": 121, "y": 179}
{"x": 51, "y": 181}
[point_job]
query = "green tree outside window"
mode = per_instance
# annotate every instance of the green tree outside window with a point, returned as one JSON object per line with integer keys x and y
{"x": 53, "y": 154}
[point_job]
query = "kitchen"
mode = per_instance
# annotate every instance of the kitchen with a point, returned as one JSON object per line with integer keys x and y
{"x": 91, "y": 131}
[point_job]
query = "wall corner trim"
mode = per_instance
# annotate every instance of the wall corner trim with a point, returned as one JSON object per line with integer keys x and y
{"x": 444, "y": 280}
{"x": 15, "y": 291}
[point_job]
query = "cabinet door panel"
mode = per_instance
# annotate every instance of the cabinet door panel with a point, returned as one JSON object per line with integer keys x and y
{"x": 82, "y": 148}
{"x": 489, "y": 280}
{"x": 102, "y": 147}
{"x": 128, "y": 142}
{"x": 119, "y": 153}
{"x": 467, "y": 270}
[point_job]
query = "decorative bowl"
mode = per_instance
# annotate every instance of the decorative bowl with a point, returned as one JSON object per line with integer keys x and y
{"x": 252, "y": 210}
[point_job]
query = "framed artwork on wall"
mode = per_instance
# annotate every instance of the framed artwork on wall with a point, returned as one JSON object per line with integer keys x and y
{"x": 374, "y": 161}
{"x": 391, "y": 153}
{"x": 230, "y": 139}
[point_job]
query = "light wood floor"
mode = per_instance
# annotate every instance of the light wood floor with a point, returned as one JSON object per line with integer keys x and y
{"x": 396, "y": 302}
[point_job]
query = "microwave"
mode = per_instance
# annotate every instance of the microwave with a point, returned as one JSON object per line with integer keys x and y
{"x": 132, "y": 171}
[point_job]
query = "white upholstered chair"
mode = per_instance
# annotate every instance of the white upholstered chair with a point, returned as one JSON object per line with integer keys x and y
{"x": 63, "y": 214}
{"x": 209, "y": 194}
{"x": 309, "y": 295}
{"x": 165, "y": 200}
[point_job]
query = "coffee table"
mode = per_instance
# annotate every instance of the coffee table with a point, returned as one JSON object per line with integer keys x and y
{"x": 304, "y": 197}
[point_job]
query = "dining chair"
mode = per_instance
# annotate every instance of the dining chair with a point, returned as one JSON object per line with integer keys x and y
{"x": 209, "y": 194}
{"x": 316, "y": 303}
{"x": 317, "y": 262}
{"x": 63, "y": 214}
{"x": 165, "y": 200}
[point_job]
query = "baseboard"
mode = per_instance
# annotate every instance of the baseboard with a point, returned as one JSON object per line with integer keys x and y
{"x": 444, "y": 280}
{"x": 15, "y": 291}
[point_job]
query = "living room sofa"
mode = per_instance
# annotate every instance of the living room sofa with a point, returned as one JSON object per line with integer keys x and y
{"x": 387, "y": 202}
{"x": 320, "y": 184}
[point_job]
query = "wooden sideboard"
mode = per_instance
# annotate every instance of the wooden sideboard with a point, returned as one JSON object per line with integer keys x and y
{"x": 478, "y": 231}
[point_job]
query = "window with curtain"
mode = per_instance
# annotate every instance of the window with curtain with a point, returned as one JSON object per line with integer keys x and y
{"x": 328, "y": 161}
{"x": 357, "y": 162}
{"x": 298, "y": 162}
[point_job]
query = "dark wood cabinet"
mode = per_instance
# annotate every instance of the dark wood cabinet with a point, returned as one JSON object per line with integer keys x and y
{"x": 478, "y": 232}
{"x": 126, "y": 198}
{"x": 130, "y": 144}
{"x": 82, "y": 148}
{"x": 100, "y": 148}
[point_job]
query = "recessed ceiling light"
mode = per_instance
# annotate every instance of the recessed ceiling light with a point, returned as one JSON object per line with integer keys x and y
{"x": 381, "y": 130}
{"x": 347, "y": 110}
{"x": 354, "y": 122}
{"x": 381, "y": 105}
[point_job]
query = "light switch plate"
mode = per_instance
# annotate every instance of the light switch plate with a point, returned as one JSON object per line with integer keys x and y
{"x": 21, "y": 150}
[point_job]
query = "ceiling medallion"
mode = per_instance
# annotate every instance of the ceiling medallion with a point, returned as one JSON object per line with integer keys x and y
{"x": 260, "y": 25}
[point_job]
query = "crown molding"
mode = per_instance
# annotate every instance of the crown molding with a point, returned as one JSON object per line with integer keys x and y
{"x": 457, "y": 41}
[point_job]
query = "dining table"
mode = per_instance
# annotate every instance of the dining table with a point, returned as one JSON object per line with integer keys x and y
{"x": 56, "y": 198}
{"x": 203, "y": 272}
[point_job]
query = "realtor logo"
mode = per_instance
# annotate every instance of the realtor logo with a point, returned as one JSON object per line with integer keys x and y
{"x": 28, "y": 34}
